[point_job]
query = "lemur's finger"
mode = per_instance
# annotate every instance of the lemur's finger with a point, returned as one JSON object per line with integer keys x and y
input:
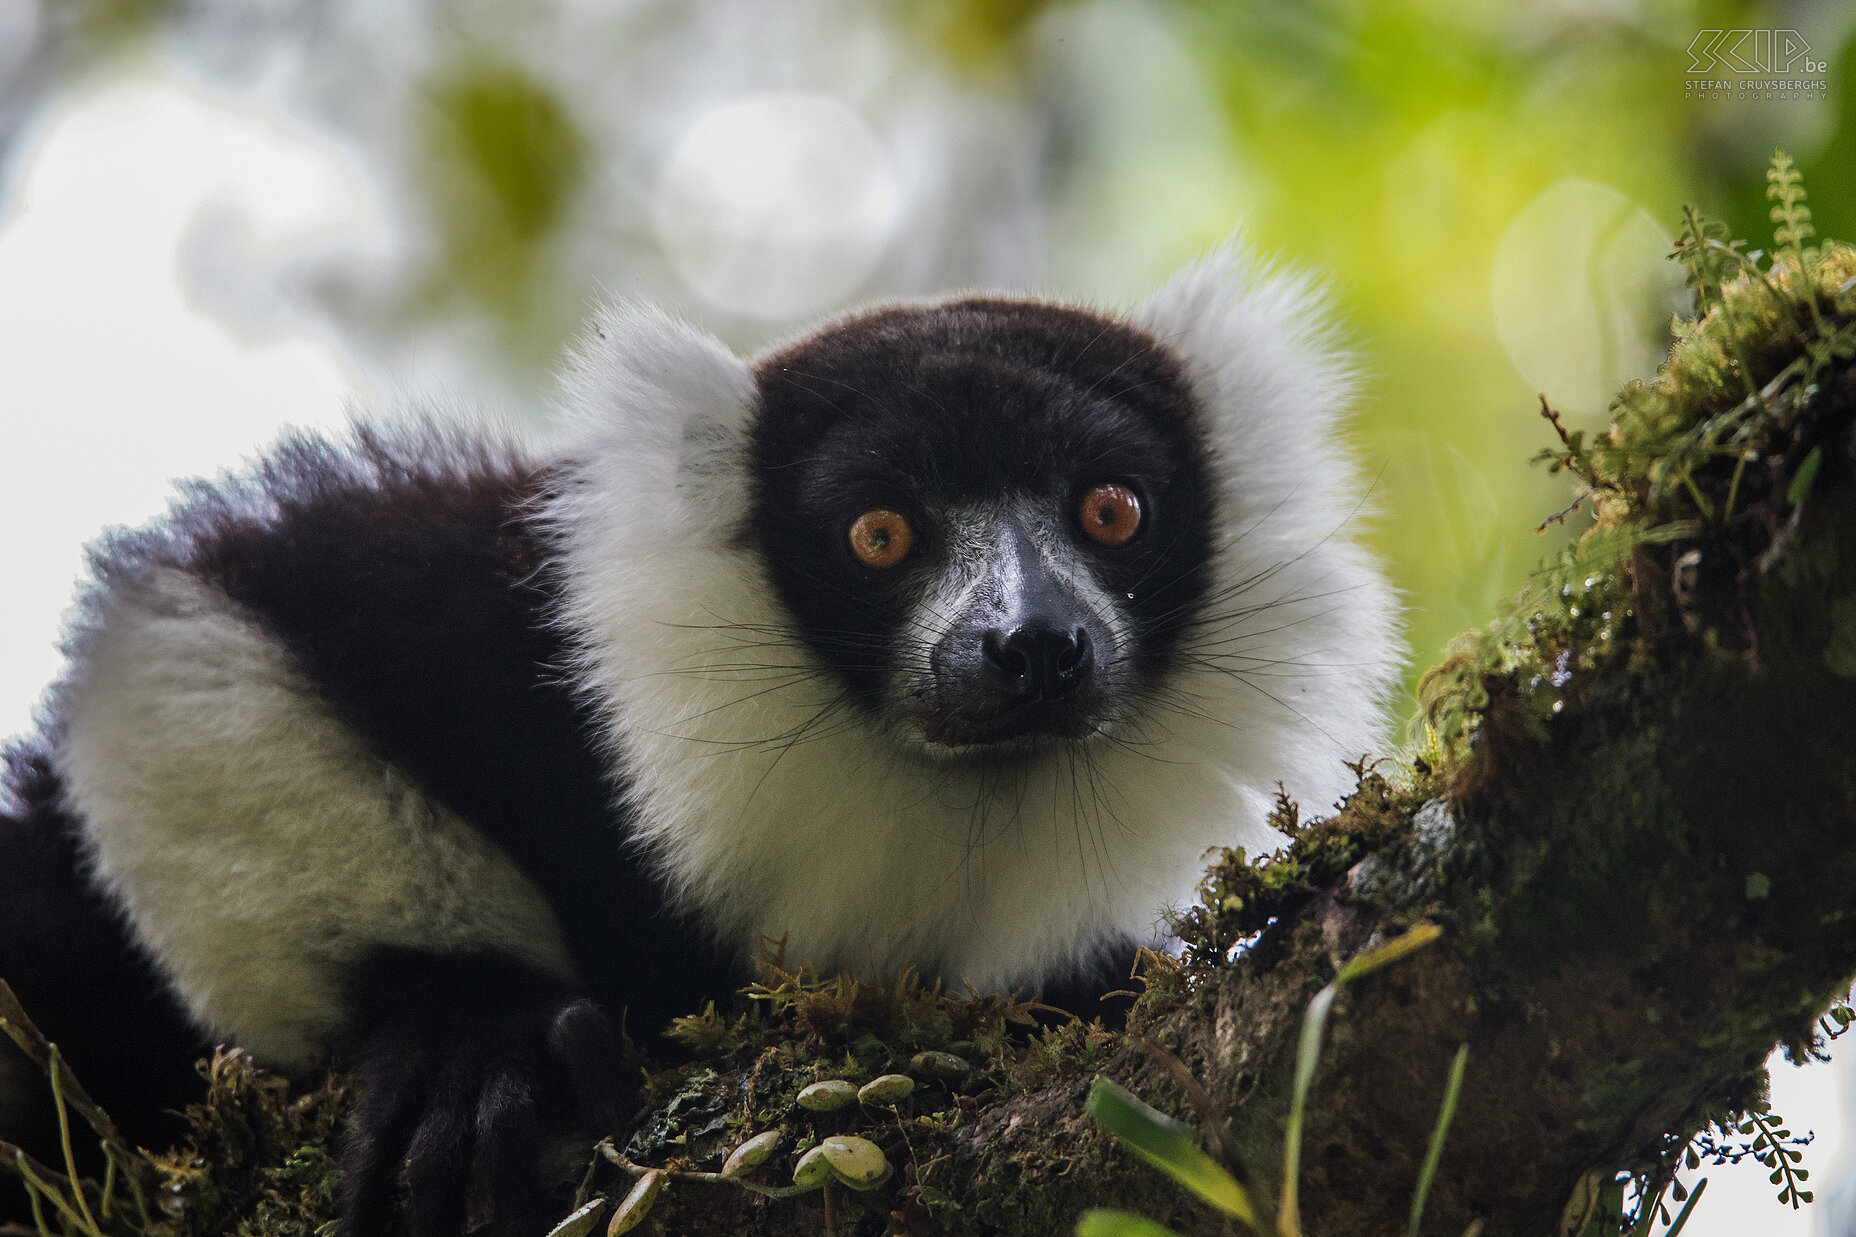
{"x": 582, "y": 1039}
{"x": 508, "y": 1143}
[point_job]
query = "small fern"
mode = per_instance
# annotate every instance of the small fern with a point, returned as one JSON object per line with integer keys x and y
{"x": 1710, "y": 258}
{"x": 1785, "y": 186}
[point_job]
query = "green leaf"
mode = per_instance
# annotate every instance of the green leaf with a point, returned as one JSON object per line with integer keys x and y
{"x": 1104, "y": 1223}
{"x": 1416, "y": 938}
{"x": 1681, "y": 1221}
{"x": 1308, "y": 1055}
{"x": 1168, "y": 1146}
{"x": 1806, "y": 474}
{"x": 1434, "y": 1152}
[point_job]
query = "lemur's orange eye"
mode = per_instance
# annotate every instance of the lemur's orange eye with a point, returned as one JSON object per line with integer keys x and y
{"x": 881, "y": 538}
{"x": 1111, "y": 514}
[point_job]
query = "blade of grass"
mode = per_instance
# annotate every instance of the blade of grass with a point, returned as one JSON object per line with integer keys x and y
{"x": 38, "y": 1210}
{"x": 64, "y": 1135}
{"x": 1368, "y": 960}
{"x": 1675, "y": 1229}
{"x": 1435, "y": 1152}
{"x": 54, "y": 1196}
{"x": 1308, "y": 1055}
{"x": 1802, "y": 479}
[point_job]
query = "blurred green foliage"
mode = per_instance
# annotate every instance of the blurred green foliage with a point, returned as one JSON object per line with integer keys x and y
{"x": 1393, "y": 144}
{"x": 1390, "y": 143}
{"x": 503, "y": 161}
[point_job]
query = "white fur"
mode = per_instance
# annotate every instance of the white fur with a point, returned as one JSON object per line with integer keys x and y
{"x": 856, "y": 844}
{"x": 256, "y": 844}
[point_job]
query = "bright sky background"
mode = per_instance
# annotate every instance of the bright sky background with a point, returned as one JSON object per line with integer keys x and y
{"x": 115, "y": 383}
{"x": 115, "y": 380}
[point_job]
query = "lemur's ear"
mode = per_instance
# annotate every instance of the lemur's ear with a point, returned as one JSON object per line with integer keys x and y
{"x": 1270, "y": 377}
{"x": 660, "y": 413}
{"x": 1269, "y": 372}
{"x": 1270, "y": 386}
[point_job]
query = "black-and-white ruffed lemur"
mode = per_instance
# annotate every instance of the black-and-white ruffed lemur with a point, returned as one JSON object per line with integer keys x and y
{"x": 949, "y": 635}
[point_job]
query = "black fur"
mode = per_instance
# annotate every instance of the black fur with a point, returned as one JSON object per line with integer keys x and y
{"x": 69, "y": 959}
{"x": 410, "y": 583}
{"x": 463, "y": 1059}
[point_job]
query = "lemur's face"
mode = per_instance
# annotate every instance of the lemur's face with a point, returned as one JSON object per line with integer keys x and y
{"x": 991, "y": 519}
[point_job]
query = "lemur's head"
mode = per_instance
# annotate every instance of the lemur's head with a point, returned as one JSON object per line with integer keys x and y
{"x": 954, "y": 634}
{"x": 992, "y": 519}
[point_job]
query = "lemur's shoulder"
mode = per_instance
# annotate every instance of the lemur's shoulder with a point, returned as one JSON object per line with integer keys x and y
{"x": 317, "y": 711}
{"x": 402, "y": 574}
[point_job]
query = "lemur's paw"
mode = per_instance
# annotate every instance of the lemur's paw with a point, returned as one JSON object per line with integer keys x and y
{"x": 458, "y": 1083}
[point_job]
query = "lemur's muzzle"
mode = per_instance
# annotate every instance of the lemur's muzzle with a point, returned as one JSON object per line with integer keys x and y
{"x": 1020, "y": 659}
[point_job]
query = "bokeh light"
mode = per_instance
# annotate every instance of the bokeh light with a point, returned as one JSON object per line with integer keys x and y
{"x": 777, "y": 205}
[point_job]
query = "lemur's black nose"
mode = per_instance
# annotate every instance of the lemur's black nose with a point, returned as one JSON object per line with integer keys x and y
{"x": 1038, "y": 660}
{"x": 1022, "y": 659}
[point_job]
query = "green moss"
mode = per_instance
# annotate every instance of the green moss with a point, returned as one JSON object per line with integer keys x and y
{"x": 1240, "y": 897}
{"x": 260, "y": 1160}
{"x": 1723, "y": 448}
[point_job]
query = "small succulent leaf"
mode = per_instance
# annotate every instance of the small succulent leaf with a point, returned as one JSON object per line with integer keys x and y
{"x": 581, "y": 1221}
{"x": 637, "y": 1204}
{"x": 1104, "y": 1223}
